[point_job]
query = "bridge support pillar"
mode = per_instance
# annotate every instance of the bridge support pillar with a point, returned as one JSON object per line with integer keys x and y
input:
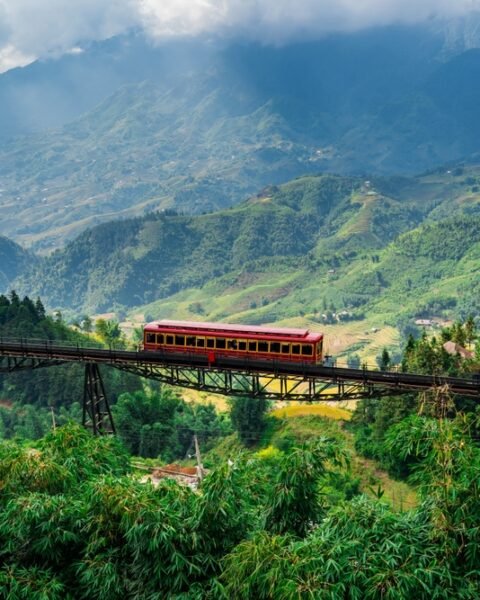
{"x": 96, "y": 410}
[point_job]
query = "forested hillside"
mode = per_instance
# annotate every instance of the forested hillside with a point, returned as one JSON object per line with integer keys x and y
{"x": 131, "y": 262}
{"x": 78, "y": 523}
{"x": 310, "y": 248}
{"x": 26, "y": 395}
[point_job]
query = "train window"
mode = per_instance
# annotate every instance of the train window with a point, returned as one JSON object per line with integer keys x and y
{"x": 252, "y": 346}
{"x": 242, "y": 345}
{"x": 263, "y": 346}
{"x": 295, "y": 348}
{"x": 169, "y": 339}
{"x": 210, "y": 342}
{"x": 150, "y": 338}
{"x": 285, "y": 348}
{"x": 221, "y": 343}
{"x": 232, "y": 344}
{"x": 200, "y": 342}
{"x": 179, "y": 340}
{"x": 160, "y": 338}
{"x": 307, "y": 349}
{"x": 190, "y": 340}
{"x": 274, "y": 346}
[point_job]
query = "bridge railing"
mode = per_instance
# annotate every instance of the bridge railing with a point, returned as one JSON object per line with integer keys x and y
{"x": 46, "y": 343}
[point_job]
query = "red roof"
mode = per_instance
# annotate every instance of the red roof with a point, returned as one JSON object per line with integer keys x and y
{"x": 234, "y": 328}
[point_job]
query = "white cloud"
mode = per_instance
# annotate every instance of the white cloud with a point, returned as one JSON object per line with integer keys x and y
{"x": 42, "y": 28}
{"x": 283, "y": 20}
{"x": 47, "y": 27}
{"x": 10, "y": 57}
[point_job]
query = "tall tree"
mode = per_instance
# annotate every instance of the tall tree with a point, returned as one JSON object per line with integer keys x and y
{"x": 384, "y": 360}
{"x": 248, "y": 418}
{"x": 294, "y": 506}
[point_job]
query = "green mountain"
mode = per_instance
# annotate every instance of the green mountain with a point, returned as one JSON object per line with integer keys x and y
{"x": 201, "y": 127}
{"x": 140, "y": 150}
{"x": 132, "y": 262}
{"x": 379, "y": 251}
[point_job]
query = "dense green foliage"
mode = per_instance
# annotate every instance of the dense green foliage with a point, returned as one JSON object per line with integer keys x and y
{"x": 161, "y": 424}
{"x": 295, "y": 501}
{"x": 375, "y": 420}
{"x": 284, "y": 523}
{"x": 98, "y": 534}
{"x": 76, "y": 524}
{"x": 30, "y": 422}
{"x": 363, "y": 550}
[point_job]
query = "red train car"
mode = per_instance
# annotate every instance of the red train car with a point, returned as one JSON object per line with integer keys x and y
{"x": 221, "y": 339}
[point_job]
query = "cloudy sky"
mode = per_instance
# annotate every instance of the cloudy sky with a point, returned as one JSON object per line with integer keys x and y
{"x": 32, "y": 29}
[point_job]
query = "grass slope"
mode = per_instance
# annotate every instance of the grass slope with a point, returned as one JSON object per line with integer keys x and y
{"x": 319, "y": 410}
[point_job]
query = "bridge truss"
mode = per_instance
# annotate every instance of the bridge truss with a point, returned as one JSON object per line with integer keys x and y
{"x": 244, "y": 382}
{"x": 228, "y": 376}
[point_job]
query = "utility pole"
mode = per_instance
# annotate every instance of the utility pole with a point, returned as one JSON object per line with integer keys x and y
{"x": 199, "y": 459}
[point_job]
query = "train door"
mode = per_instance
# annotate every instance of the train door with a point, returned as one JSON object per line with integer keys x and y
{"x": 210, "y": 344}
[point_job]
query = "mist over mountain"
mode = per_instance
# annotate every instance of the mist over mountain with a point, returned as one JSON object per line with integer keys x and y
{"x": 30, "y": 30}
{"x": 373, "y": 65}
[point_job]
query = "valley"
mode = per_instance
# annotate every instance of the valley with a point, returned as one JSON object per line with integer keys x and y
{"x": 198, "y": 128}
{"x": 306, "y": 165}
{"x": 361, "y": 259}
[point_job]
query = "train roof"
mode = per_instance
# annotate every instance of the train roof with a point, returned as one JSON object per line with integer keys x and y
{"x": 232, "y": 328}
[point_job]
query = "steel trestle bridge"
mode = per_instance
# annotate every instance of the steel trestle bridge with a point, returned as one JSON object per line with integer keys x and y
{"x": 274, "y": 380}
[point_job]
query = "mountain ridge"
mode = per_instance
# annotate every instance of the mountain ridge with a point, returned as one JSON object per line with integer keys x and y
{"x": 313, "y": 224}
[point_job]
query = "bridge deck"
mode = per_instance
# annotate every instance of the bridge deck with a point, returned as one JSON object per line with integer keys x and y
{"x": 296, "y": 381}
